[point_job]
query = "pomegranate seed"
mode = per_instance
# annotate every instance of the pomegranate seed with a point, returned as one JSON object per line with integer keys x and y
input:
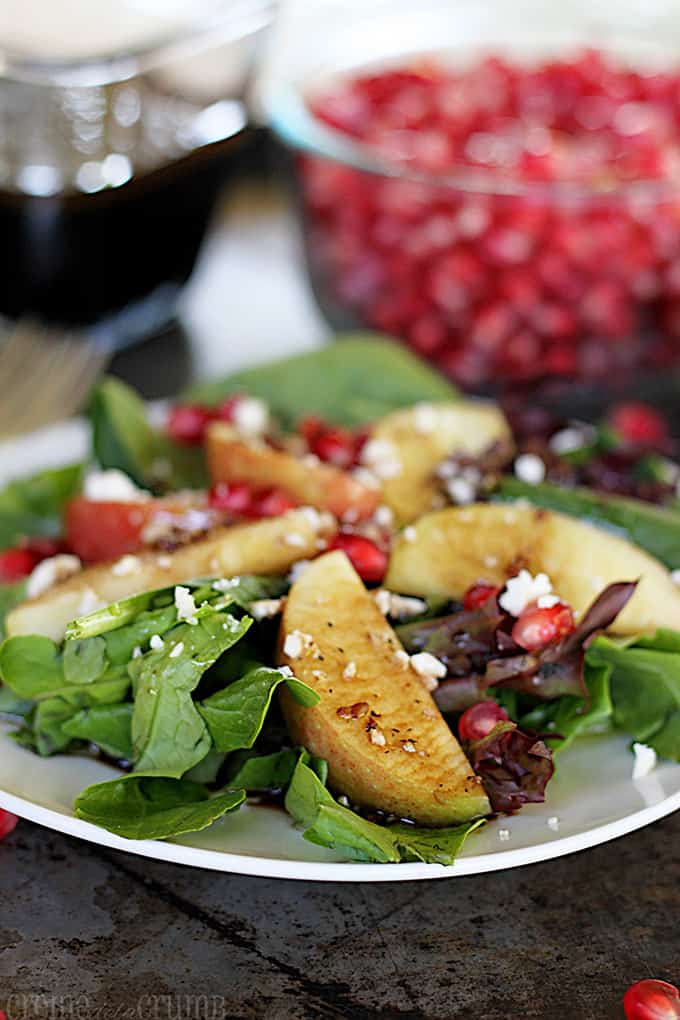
{"x": 225, "y": 410}
{"x": 8, "y": 823}
{"x": 16, "y": 564}
{"x": 652, "y": 1000}
{"x": 187, "y": 423}
{"x": 44, "y": 548}
{"x": 272, "y": 503}
{"x": 231, "y": 497}
{"x": 369, "y": 561}
{"x": 536, "y": 628}
{"x": 477, "y": 721}
{"x": 336, "y": 446}
{"x": 638, "y": 423}
{"x": 478, "y": 594}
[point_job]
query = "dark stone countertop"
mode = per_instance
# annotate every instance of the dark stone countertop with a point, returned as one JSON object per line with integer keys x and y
{"x": 87, "y": 932}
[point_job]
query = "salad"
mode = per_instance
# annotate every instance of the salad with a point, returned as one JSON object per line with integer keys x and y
{"x": 334, "y": 584}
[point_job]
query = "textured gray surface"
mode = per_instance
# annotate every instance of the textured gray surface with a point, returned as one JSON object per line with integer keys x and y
{"x": 87, "y": 932}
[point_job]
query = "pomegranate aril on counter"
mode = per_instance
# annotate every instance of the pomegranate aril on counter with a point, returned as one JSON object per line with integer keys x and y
{"x": 652, "y": 1000}
{"x": 559, "y": 279}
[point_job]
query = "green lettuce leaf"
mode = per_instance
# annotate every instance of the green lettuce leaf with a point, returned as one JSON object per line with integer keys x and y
{"x": 139, "y": 807}
{"x": 357, "y": 379}
{"x": 235, "y": 715}
{"x": 265, "y": 773}
{"x": 35, "y": 505}
{"x": 107, "y": 726}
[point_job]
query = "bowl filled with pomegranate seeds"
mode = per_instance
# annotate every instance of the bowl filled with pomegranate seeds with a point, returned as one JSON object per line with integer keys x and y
{"x": 510, "y": 213}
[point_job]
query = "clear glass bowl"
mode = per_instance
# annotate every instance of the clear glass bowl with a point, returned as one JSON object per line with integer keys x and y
{"x": 496, "y": 278}
{"x": 110, "y": 162}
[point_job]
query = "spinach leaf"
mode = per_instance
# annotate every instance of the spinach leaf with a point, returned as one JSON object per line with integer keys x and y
{"x": 207, "y": 770}
{"x": 31, "y": 666}
{"x": 359, "y": 378}
{"x": 11, "y": 704}
{"x": 434, "y": 846}
{"x": 35, "y": 505}
{"x": 48, "y": 725}
{"x": 84, "y": 661}
{"x": 266, "y": 773}
{"x": 10, "y": 596}
{"x": 235, "y": 715}
{"x": 120, "y": 613}
{"x": 138, "y": 807}
{"x": 645, "y": 688}
{"x": 107, "y": 726}
{"x": 123, "y": 438}
{"x": 244, "y": 590}
{"x": 169, "y": 736}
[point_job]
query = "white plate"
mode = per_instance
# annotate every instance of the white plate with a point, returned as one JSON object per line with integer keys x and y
{"x": 591, "y": 799}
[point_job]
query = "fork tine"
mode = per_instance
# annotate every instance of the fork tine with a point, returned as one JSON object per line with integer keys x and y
{"x": 46, "y": 375}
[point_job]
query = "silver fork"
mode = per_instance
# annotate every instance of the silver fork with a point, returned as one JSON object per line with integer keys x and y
{"x": 46, "y": 374}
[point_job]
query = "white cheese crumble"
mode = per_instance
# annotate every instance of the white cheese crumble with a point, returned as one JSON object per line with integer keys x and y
{"x": 294, "y": 539}
{"x": 156, "y": 642}
{"x": 554, "y": 823}
{"x": 675, "y": 577}
{"x": 402, "y": 657}
{"x": 460, "y": 491}
{"x": 125, "y": 565}
{"x": 177, "y": 650}
{"x": 547, "y": 601}
{"x": 314, "y": 518}
{"x": 427, "y": 665}
{"x": 381, "y": 458}
{"x": 136, "y": 652}
{"x": 297, "y": 570}
{"x": 295, "y": 642}
{"x": 185, "y": 605}
{"x": 409, "y": 534}
{"x": 645, "y": 760}
{"x": 408, "y": 746}
{"x": 343, "y": 800}
{"x": 350, "y": 671}
{"x": 398, "y": 606}
{"x": 225, "y": 583}
{"x": 286, "y": 671}
{"x": 523, "y": 589}
{"x": 377, "y": 737}
{"x": 250, "y": 416}
{"x": 367, "y": 478}
{"x": 262, "y": 609}
{"x": 50, "y": 572}
{"x": 530, "y": 468}
{"x": 383, "y": 517}
{"x": 424, "y": 418}
{"x": 504, "y": 835}
{"x": 567, "y": 440}
{"x": 112, "y": 486}
{"x": 164, "y": 562}
{"x": 89, "y": 602}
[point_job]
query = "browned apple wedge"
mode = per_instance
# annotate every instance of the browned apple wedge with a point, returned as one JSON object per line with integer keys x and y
{"x": 385, "y": 741}
{"x": 269, "y": 546}
{"x": 447, "y": 551}
{"x": 422, "y": 436}
{"x": 234, "y": 459}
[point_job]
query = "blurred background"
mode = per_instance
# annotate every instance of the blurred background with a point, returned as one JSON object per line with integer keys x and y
{"x": 185, "y": 189}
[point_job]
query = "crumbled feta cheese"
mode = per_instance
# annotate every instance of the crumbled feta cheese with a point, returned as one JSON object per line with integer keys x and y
{"x": 315, "y": 519}
{"x": 262, "y": 609}
{"x": 112, "y": 486}
{"x": 225, "y": 583}
{"x": 343, "y": 800}
{"x": 427, "y": 665}
{"x": 409, "y": 534}
{"x": 294, "y": 539}
{"x": 350, "y": 671}
{"x": 504, "y": 835}
{"x": 383, "y": 517}
{"x": 136, "y": 652}
{"x": 295, "y": 642}
{"x": 645, "y": 760}
{"x": 460, "y": 491}
{"x": 402, "y": 657}
{"x": 523, "y": 589}
{"x": 398, "y": 606}
{"x": 408, "y": 746}
{"x": 50, "y": 572}
{"x": 125, "y": 565}
{"x": 447, "y": 469}
{"x": 177, "y": 650}
{"x": 250, "y": 416}
{"x": 297, "y": 570}
{"x": 185, "y": 605}
{"x": 164, "y": 562}
{"x": 567, "y": 440}
{"x": 156, "y": 642}
{"x": 311, "y": 460}
{"x": 377, "y": 736}
{"x": 554, "y": 823}
{"x": 424, "y": 418}
{"x": 530, "y": 468}
{"x": 381, "y": 458}
{"x": 675, "y": 577}
{"x": 365, "y": 477}
{"x": 350, "y": 515}
{"x": 547, "y": 601}
{"x": 286, "y": 671}
{"x": 88, "y": 602}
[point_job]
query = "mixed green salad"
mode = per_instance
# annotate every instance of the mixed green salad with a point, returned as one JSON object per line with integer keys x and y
{"x": 325, "y": 585}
